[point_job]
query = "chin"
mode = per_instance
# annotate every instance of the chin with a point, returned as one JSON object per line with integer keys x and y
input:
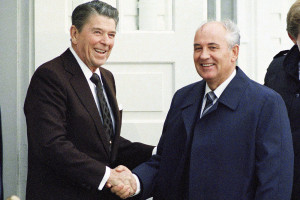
{"x": 207, "y": 77}
{"x": 100, "y": 63}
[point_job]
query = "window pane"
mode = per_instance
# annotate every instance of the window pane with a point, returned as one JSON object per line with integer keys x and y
{"x": 211, "y": 9}
{"x": 228, "y": 9}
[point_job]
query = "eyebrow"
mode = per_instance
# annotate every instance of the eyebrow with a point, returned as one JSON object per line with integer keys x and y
{"x": 212, "y": 43}
{"x": 93, "y": 29}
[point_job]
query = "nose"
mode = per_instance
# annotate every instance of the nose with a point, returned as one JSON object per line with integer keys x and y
{"x": 204, "y": 54}
{"x": 104, "y": 39}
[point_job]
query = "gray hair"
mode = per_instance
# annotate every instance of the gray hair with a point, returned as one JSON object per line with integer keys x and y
{"x": 82, "y": 12}
{"x": 293, "y": 20}
{"x": 233, "y": 37}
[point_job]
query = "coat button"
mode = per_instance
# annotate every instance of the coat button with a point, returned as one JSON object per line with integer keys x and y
{"x": 297, "y": 95}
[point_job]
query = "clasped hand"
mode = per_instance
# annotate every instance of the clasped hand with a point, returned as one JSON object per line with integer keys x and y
{"x": 122, "y": 182}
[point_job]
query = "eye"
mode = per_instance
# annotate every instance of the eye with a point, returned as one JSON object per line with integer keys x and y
{"x": 112, "y": 35}
{"x": 197, "y": 48}
{"x": 97, "y": 32}
{"x": 212, "y": 47}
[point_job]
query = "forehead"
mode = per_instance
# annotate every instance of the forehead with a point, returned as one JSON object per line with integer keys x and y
{"x": 212, "y": 32}
{"x": 100, "y": 21}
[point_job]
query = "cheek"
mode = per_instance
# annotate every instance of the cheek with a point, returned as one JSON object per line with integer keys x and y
{"x": 112, "y": 43}
{"x": 196, "y": 56}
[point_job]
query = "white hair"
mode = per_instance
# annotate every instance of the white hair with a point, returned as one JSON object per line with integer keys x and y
{"x": 233, "y": 36}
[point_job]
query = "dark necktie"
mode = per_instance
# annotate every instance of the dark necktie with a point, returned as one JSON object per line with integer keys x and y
{"x": 210, "y": 97}
{"x": 106, "y": 117}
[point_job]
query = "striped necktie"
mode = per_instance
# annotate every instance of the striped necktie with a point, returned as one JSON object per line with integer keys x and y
{"x": 210, "y": 97}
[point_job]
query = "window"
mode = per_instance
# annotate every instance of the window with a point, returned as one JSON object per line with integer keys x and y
{"x": 222, "y": 9}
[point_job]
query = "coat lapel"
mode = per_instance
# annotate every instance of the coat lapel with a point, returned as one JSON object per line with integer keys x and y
{"x": 82, "y": 89}
{"x": 234, "y": 92}
{"x": 190, "y": 109}
{"x": 190, "y": 113}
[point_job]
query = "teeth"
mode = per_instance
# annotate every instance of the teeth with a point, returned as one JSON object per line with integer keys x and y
{"x": 207, "y": 65}
{"x": 100, "y": 51}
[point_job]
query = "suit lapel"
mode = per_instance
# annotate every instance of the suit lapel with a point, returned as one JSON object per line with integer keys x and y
{"x": 110, "y": 88}
{"x": 110, "y": 91}
{"x": 82, "y": 89}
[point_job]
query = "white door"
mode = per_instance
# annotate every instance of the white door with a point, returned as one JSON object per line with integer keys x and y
{"x": 152, "y": 56}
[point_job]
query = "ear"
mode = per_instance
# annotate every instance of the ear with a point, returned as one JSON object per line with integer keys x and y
{"x": 292, "y": 38}
{"x": 74, "y": 34}
{"x": 235, "y": 52}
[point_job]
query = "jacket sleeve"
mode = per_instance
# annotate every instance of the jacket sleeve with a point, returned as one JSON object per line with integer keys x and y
{"x": 148, "y": 171}
{"x": 131, "y": 154}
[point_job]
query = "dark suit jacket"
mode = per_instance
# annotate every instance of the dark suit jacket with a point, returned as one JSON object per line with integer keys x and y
{"x": 67, "y": 148}
{"x": 241, "y": 149}
{"x": 283, "y": 77}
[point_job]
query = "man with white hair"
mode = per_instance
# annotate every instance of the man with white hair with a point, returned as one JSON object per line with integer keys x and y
{"x": 225, "y": 137}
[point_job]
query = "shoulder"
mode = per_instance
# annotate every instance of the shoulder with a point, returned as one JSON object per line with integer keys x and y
{"x": 187, "y": 89}
{"x": 281, "y": 53}
{"x": 277, "y": 62}
{"x": 58, "y": 64}
{"x": 51, "y": 69}
{"x": 49, "y": 75}
{"x": 264, "y": 94}
{"x": 106, "y": 72}
{"x": 278, "y": 58}
{"x": 187, "y": 93}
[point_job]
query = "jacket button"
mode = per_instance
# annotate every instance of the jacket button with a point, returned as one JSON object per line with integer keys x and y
{"x": 297, "y": 95}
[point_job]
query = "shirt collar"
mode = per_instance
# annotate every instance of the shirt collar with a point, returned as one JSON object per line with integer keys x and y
{"x": 219, "y": 90}
{"x": 86, "y": 71}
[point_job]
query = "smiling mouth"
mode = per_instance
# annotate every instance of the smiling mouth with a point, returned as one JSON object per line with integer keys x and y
{"x": 206, "y": 65}
{"x": 100, "y": 51}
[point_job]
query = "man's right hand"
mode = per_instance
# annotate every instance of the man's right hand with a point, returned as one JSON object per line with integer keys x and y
{"x": 122, "y": 182}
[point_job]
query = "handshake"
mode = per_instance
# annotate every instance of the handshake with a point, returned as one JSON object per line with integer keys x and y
{"x": 122, "y": 182}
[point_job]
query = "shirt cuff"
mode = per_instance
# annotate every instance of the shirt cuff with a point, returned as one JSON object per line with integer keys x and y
{"x": 105, "y": 178}
{"x": 154, "y": 150}
{"x": 138, "y": 185}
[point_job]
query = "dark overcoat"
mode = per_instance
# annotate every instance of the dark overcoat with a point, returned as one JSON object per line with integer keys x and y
{"x": 241, "y": 149}
{"x": 283, "y": 77}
